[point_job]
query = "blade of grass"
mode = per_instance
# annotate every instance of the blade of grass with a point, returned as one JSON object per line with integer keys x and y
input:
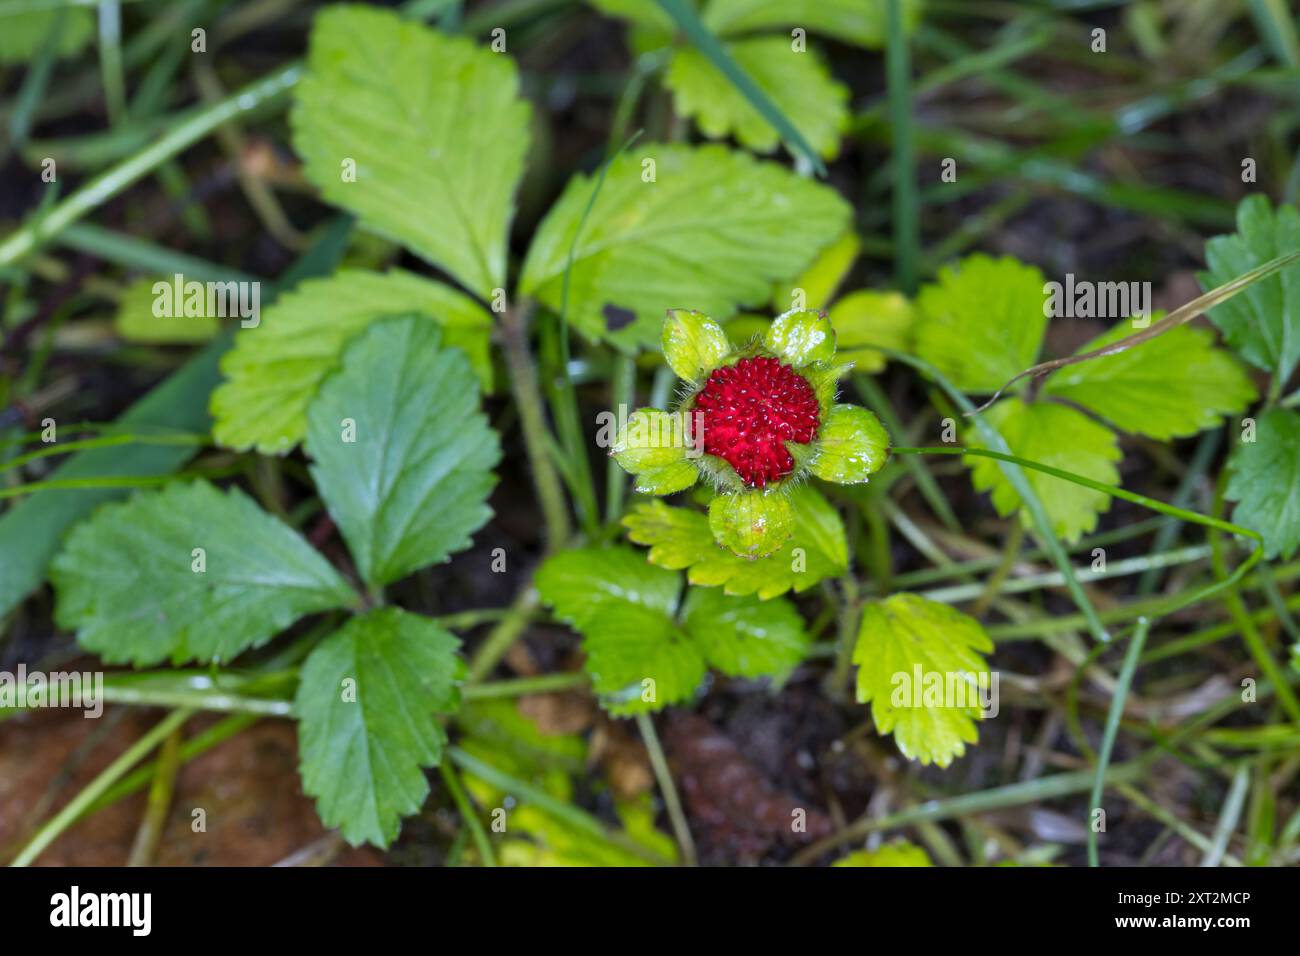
{"x": 1131, "y": 657}
{"x": 708, "y": 44}
{"x": 899, "y": 82}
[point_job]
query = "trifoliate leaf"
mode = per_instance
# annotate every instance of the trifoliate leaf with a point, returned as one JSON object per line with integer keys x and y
{"x": 274, "y": 370}
{"x": 898, "y": 853}
{"x": 677, "y": 227}
{"x": 24, "y": 35}
{"x": 367, "y": 704}
{"x": 652, "y": 445}
{"x": 864, "y": 22}
{"x": 638, "y": 657}
{"x": 745, "y": 637}
{"x": 187, "y": 573}
{"x": 1262, "y": 323}
{"x": 982, "y": 322}
{"x": 422, "y": 135}
{"x": 693, "y": 344}
{"x": 751, "y": 523}
{"x": 1264, "y": 480}
{"x": 403, "y": 454}
{"x": 852, "y": 446}
{"x": 867, "y": 321}
{"x": 679, "y": 538}
{"x": 136, "y": 319}
{"x": 814, "y": 288}
{"x": 1172, "y": 386}
{"x": 798, "y": 82}
{"x": 801, "y": 338}
{"x": 919, "y": 666}
{"x": 1058, "y": 436}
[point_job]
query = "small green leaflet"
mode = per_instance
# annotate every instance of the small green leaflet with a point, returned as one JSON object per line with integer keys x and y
{"x": 798, "y": 82}
{"x": 275, "y": 369}
{"x": 898, "y": 853}
{"x": 403, "y": 455}
{"x": 1172, "y": 386}
{"x": 366, "y": 705}
{"x": 1055, "y": 435}
{"x": 641, "y": 654}
{"x": 982, "y": 322}
{"x": 745, "y": 638}
{"x": 866, "y": 321}
{"x": 1265, "y": 482}
{"x": 433, "y": 128}
{"x": 136, "y": 322}
{"x": 746, "y": 224}
{"x": 1263, "y": 322}
{"x": 680, "y": 538}
{"x": 919, "y": 666}
{"x": 187, "y": 573}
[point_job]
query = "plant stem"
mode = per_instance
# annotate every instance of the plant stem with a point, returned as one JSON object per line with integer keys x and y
{"x": 498, "y": 642}
{"x": 69, "y": 814}
{"x": 159, "y": 803}
{"x": 467, "y": 813}
{"x": 529, "y": 403}
{"x": 667, "y": 789}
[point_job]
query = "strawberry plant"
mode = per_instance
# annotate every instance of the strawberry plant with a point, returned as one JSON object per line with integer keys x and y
{"x": 597, "y": 484}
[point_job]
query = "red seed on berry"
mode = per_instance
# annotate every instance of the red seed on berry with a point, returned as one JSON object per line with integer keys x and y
{"x": 751, "y": 409}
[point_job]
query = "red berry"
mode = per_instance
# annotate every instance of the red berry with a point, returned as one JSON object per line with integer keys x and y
{"x": 751, "y": 409}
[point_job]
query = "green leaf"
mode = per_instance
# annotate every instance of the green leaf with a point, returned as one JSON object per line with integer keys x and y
{"x": 693, "y": 344}
{"x": 679, "y": 538}
{"x": 801, "y": 338}
{"x": 898, "y": 853}
{"x": 867, "y": 321}
{"x": 798, "y": 82}
{"x": 906, "y": 644}
{"x": 403, "y": 454}
{"x": 752, "y": 523}
{"x": 1264, "y": 480}
{"x": 652, "y": 445}
{"x": 642, "y": 13}
{"x": 982, "y": 322}
{"x": 1058, "y": 436}
{"x": 366, "y": 708}
{"x": 863, "y": 22}
{"x": 23, "y": 35}
{"x": 638, "y": 658}
{"x": 436, "y": 128}
{"x": 132, "y": 583}
{"x": 1172, "y": 386}
{"x": 745, "y": 637}
{"x": 852, "y": 446}
{"x": 275, "y": 369}
{"x": 706, "y": 229}
{"x": 1262, "y": 323}
{"x": 135, "y": 320}
{"x": 814, "y": 288}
